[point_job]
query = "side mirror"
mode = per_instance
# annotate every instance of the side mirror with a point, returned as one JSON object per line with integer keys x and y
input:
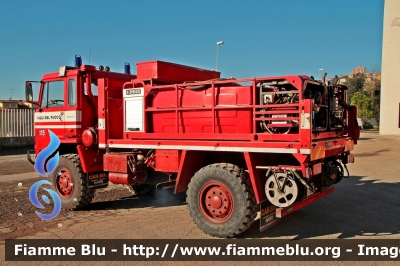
{"x": 28, "y": 91}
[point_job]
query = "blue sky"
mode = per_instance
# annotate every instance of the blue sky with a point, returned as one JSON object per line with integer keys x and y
{"x": 261, "y": 38}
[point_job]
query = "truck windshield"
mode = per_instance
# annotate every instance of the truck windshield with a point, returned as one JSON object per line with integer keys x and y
{"x": 53, "y": 94}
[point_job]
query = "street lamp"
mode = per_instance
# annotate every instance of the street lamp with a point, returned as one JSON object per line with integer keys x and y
{"x": 218, "y": 44}
{"x": 321, "y": 69}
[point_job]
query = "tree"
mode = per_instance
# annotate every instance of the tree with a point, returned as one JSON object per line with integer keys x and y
{"x": 355, "y": 84}
{"x": 372, "y": 88}
{"x": 364, "y": 105}
{"x": 369, "y": 85}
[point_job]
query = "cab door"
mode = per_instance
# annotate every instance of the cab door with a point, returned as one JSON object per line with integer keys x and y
{"x": 51, "y": 112}
{"x": 72, "y": 116}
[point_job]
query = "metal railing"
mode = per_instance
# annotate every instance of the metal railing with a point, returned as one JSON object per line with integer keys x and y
{"x": 16, "y": 122}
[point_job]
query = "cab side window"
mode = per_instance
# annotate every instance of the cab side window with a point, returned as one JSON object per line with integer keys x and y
{"x": 71, "y": 92}
{"x": 53, "y": 94}
{"x": 93, "y": 87}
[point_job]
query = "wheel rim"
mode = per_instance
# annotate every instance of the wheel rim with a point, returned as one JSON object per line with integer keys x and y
{"x": 277, "y": 197}
{"x": 216, "y": 202}
{"x": 64, "y": 183}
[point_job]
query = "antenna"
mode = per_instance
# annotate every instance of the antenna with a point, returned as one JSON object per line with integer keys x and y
{"x": 90, "y": 54}
{"x": 11, "y": 94}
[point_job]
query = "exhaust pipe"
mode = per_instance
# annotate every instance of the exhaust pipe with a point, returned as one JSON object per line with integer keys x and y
{"x": 165, "y": 184}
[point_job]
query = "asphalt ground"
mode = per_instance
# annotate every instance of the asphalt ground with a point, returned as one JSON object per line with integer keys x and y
{"x": 364, "y": 206}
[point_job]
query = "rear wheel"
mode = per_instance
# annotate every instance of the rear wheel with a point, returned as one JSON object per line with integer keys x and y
{"x": 70, "y": 183}
{"x": 221, "y": 200}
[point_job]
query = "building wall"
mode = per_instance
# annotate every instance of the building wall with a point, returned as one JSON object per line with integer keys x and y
{"x": 16, "y": 142}
{"x": 360, "y": 69}
{"x": 390, "y": 83}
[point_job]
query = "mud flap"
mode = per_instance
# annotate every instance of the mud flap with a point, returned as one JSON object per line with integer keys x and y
{"x": 31, "y": 154}
{"x": 268, "y": 215}
{"x": 97, "y": 179}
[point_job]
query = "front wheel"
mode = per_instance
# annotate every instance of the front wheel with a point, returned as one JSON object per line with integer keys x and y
{"x": 221, "y": 200}
{"x": 70, "y": 183}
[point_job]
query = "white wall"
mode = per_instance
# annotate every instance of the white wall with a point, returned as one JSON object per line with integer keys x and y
{"x": 390, "y": 90}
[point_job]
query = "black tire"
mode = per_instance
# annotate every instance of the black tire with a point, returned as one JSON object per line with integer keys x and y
{"x": 69, "y": 170}
{"x": 231, "y": 183}
{"x": 340, "y": 172}
{"x": 142, "y": 189}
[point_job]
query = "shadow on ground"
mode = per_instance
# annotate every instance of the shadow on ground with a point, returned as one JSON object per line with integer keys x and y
{"x": 363, "y": 138}
{"x": 19, "y": 151}
{"x": 160, "y": 198}
{"x": 374, "y": 153}
{"x": 357, "y": 208}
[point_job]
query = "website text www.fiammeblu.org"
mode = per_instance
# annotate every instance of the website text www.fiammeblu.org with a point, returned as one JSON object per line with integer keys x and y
{"x": 205, "y": 249}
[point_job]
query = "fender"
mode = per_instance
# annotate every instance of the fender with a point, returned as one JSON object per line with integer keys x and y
{"x": 191, "y": 162}
{"x": 91, "y": 159}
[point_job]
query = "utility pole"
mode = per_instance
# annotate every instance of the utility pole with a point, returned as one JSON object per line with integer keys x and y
{"x": 216, "y": 64}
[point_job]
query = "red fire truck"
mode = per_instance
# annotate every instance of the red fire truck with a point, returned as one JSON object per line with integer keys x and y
{"x": 237, "y": 146}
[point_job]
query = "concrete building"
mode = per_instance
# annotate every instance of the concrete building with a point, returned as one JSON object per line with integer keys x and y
{"x": 16, "y": 104}
{"x": 390, "y": 83}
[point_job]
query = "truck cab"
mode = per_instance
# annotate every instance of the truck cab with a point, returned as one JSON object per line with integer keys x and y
{"x": 68, "y": 104}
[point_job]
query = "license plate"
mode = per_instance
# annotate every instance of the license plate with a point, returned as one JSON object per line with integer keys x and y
{"x": 97, "y": 179}
{"x": 268, "y": 215}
